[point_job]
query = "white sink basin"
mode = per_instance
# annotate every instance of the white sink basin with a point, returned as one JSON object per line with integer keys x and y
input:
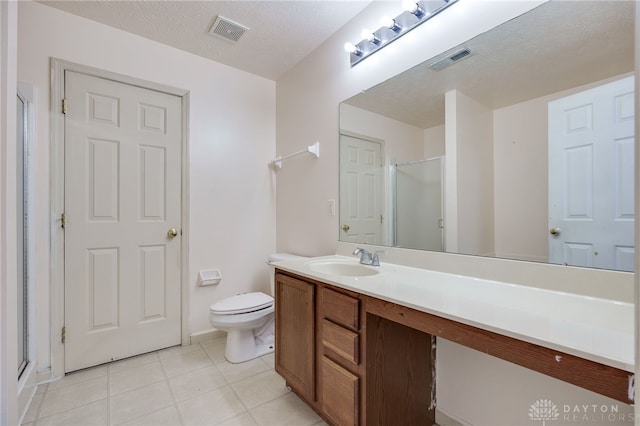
{"x": 344, "y": 269}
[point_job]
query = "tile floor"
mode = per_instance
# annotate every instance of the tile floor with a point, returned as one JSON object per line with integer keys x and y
{"x": 189, "y": 385}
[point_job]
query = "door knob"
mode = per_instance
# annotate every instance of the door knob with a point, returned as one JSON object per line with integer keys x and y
{"x": 345, "y": 228}
{"x": 172, "y": 233}
{"x": 554, "y": 231}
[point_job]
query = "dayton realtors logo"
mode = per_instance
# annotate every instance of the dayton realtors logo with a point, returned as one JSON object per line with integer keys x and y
{"x": 596, "y": 413}
{"x": 543, "y": 410}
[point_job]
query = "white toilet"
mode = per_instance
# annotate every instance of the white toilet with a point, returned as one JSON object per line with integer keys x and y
{"x": 248, "y": 320}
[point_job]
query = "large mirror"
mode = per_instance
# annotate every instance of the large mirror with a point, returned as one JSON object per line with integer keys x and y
{"x": 516, "y": 144}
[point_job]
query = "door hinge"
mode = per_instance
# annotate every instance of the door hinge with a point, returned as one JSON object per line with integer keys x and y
{"x": 381, "y": 219}
{"x": 63, "y": 220}
{"x": 63, "y": 334}
{"x": 64, "y": 106}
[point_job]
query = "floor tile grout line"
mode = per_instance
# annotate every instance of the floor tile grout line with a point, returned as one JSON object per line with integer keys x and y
{"x": 141, "y": 386}
{"x": 215, "y": 364}
{"x": 173, "y": 396}
{"x": 39, "y": 412}
{"x": 109, "y": 395}
{"x": 127, "y": 421}
{"x": 271, "y": 400}
{"x": 213, "y": 360}
{"x": 246, "y": 409}
{"x": 179, "y": 351}
{"x": 63, "y": 386}
{"x": 116, "y": 363}
{"x": 151, "y": 412}
{"x": 69, "y": 409}
{"x": 190, "y": 371}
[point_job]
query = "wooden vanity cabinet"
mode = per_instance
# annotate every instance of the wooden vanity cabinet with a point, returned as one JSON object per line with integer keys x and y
{"x": 352, "y": 367}
{"x": 360, "y": 360}
{"x": 319, "y": 347}
{"x": 295, "y": 334}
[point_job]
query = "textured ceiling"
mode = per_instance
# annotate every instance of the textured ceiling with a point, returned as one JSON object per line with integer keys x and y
{"x": 281, "y": 33}
{"x": 557, "y": 46}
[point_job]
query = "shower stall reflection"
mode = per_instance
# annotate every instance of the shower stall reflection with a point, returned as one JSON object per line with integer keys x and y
{"x": 417, "y": 197}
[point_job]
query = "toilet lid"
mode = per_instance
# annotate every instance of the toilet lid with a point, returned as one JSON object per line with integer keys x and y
{"x": 247, "y": 302}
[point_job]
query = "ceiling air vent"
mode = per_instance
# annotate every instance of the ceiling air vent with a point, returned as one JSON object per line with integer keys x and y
{"x": 227, "y": 29}
{"x": 451, "y": 58}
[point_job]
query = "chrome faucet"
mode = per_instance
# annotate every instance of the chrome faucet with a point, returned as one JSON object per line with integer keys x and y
{"x": 368, "y": 258}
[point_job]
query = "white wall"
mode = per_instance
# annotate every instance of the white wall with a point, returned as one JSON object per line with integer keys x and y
{"x": 472, "y": 173}
{"x": 231, "y": 140}
{"x": 402, "y": 142}
{"x": 307, "y": 105}
{"x": 521, "y": 180}
{"x": 434, "y": 141}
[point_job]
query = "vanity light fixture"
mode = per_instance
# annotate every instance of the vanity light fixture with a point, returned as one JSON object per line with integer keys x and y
{"x": 416, "y": 12}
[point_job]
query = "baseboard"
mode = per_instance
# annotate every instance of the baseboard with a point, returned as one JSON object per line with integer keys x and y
{"x": 44, "y": 375}
{"x": 203, "y": 336}
{"x": 444, "y": 420}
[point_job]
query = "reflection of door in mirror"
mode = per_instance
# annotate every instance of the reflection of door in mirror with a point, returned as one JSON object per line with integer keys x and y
{"x": 419, "y": 204}
{"x": 591, "y": 177}
{"x": 360, "y": 190}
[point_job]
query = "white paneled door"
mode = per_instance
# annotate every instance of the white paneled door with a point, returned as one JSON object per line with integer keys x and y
{"x": 591, "y": 177}
{"x": 360, "y": 190}
{"x": 122, "y": 220}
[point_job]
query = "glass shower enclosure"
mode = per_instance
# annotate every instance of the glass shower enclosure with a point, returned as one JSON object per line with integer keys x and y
{"x": 418, "y": 197}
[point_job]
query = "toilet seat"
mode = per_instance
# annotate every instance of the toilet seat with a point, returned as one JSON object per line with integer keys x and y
{"x": 242, "y": 304}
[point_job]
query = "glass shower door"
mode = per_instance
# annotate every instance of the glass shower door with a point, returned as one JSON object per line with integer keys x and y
{"x": 419, "y": 204}
{"x": 21, "y": 236}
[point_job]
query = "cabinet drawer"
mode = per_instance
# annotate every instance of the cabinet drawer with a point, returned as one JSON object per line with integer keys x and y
{"x": 341, "y": 308}
{"x": 340, "y": 394}
{"x": 341, "y": 341}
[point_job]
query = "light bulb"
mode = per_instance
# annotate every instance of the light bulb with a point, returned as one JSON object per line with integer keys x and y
{"x": 352, "y": 48}
{"x": 390, "y": 23}
{"x": 413, "y": 7}
{"x": 369, "y": 36}
{"x": 410, "y": 6}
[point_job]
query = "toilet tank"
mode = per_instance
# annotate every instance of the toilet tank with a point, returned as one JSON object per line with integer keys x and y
{"x": 277, "y": 257}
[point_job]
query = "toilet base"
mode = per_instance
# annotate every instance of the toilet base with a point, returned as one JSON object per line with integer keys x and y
{"x": 243, "y": 345}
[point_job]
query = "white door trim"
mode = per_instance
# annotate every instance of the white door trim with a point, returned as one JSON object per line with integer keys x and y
{"x": 58, "y": 68}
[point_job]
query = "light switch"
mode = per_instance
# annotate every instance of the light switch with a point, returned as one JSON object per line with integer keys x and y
{"x": 332, "y": 207}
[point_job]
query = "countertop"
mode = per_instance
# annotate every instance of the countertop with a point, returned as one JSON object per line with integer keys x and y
{"x": 596, "y": 329}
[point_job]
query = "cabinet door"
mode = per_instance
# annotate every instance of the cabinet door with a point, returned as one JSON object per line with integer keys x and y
{"x": 295, "y": 331}
{"x": 340, "y": 394}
